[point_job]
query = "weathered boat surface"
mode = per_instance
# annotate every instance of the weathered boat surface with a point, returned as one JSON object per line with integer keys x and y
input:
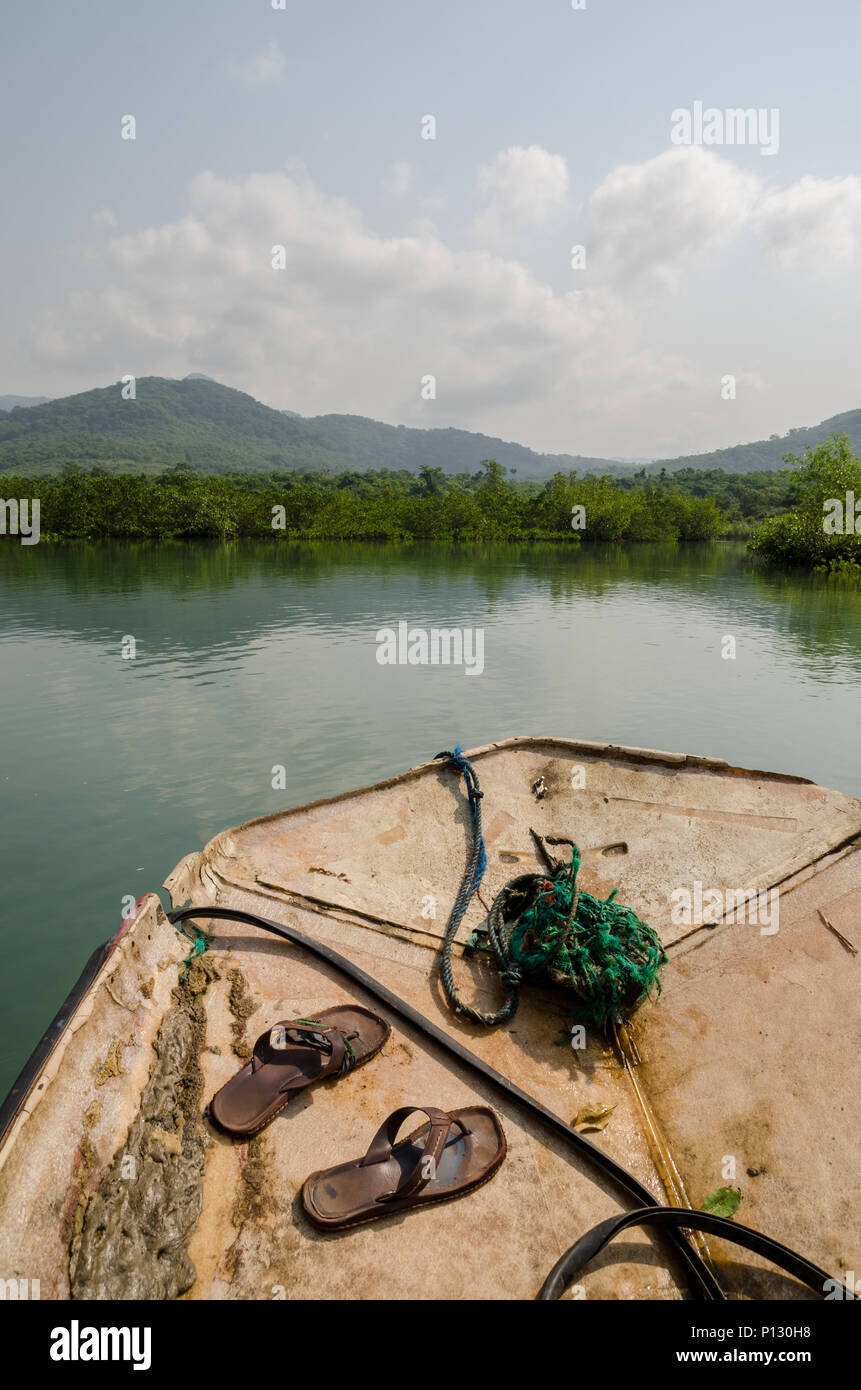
{"x": 113, "y": 1183}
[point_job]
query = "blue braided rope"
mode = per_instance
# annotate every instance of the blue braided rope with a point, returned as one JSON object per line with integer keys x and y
{"x": 472, "y": 877}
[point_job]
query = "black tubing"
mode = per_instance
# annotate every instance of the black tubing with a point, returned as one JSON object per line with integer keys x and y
{"x": 565, "y": 1271}
{"x": 704, "y": 1285}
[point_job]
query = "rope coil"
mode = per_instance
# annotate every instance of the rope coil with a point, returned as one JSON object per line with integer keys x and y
{"x": 545, "y": 925}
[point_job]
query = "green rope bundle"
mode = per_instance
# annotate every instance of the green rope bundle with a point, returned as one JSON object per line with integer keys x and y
{"x": 597, "y": 948}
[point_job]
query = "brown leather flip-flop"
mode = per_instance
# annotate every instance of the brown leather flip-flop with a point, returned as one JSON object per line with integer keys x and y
{"x": 291, "y": 1056}
{"x": 454, "y": 1153}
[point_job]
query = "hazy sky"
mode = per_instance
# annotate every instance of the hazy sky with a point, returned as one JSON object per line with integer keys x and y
{"x": 449, "y": 257}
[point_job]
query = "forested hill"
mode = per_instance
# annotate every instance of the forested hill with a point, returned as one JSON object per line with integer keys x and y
{"x": 216, "y": 429}
{"x": 194, "y": 421}
{"x": 766, "y": 454}
{"x": 371, "y": 444}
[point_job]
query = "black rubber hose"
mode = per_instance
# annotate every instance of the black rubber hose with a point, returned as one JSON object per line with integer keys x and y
{"x": 703, "y": 1283}
{"x": 574, "y": 1261}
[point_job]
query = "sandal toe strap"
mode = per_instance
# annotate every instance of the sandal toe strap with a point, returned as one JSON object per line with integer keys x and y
{"x": 273, "y": 1047}
{"x": 424, "y": 1170}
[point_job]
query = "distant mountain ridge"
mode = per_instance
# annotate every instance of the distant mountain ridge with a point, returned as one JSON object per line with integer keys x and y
{"x": 20, "y": 402}
{"x": 214, "y": 428}
{"x": 217, "y": 429}
{"x": 371, "y": 444}
{"x": 764, "y": 455}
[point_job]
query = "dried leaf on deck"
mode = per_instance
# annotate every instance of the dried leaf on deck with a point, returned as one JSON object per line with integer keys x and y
{"x": 592, "y": 1117}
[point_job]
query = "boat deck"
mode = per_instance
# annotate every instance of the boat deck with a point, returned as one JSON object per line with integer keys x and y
{"x": 113, "y": 1183}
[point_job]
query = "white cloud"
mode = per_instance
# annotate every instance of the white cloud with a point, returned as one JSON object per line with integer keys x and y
{"x": 104, "y": 218}
{"x": 814, "y": 222}
{"x": 352, "y": 324}
{"x": 357, "y": 318}
{"x": 654, "y": 222}
{"x": 651, "y": 221}
{"x": 522, "y": 189}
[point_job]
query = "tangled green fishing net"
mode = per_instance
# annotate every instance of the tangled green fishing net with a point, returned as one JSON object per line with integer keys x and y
{"x": 606, "y": 955}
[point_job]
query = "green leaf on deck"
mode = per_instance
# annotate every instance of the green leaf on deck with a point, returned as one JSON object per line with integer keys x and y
{"x": 723, "y": 1202}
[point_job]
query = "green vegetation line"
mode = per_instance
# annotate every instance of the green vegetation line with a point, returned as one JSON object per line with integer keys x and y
{"x": 432, "y": 505}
